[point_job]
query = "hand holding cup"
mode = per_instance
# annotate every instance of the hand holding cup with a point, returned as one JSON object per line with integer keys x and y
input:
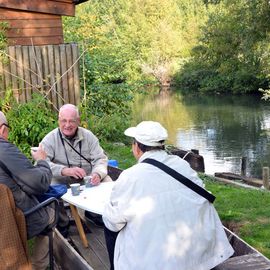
{"x": 88, "y": 181}
{"x": 38, "y": 153}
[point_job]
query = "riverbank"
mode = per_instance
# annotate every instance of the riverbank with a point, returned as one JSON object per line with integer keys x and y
{"x": 244, "y": 211}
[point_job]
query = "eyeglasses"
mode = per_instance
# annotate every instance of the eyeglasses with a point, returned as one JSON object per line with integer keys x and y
{"x": 6, "y": 125}
{"x": 72, "y": 122}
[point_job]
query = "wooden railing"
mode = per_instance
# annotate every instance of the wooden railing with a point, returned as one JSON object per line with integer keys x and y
{"x": 52, "y": 70}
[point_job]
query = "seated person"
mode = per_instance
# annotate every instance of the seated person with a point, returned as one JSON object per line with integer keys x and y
{"x": 154, "y": 221}
{"x": 26, "y": 180}
{"x": 73, "y": 152}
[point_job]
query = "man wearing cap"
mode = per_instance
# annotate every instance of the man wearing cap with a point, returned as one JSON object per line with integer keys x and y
{"x": 26, "y": 180}
{"x": 159, "y": 222}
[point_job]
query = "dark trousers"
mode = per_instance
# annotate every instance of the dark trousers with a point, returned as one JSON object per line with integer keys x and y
{"x": 110, "y": 238}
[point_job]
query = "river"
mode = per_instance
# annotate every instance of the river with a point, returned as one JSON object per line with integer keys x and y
{"x": 223, "y": 128}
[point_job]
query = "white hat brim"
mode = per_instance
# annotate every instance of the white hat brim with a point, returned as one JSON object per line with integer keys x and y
{"x": 131, "y": 132}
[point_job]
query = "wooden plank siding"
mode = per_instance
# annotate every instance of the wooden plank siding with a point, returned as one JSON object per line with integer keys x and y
{"x": 52, "y": 70}
{"x": 26, "y": 28}
{"x": 57, "y": 7}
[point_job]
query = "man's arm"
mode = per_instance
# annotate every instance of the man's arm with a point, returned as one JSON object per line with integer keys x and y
{"x": 118, "y": 211}
{"x": 32, "y": 179}
{"x": 99, "y": 159}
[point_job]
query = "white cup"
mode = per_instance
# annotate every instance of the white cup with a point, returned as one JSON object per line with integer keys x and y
{"x": 75, "y": 189}
{"x": 87, "y": 181}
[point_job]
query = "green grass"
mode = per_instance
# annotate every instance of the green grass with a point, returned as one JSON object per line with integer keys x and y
{"x": 244, "y": 211}
{"x": 120, "y": 152}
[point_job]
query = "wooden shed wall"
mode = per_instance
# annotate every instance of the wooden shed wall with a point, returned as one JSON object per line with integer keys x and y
{"x": 56, "y": 7}
{"x": 51, "y": 69}
{"x": 26, "y": 28}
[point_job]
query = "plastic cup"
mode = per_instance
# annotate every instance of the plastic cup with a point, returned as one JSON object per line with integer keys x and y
{"x": 75, "y": 189}
{"x": 87, "y": 181}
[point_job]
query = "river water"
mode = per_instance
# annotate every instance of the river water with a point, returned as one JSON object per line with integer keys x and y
{"x": 223, "y": 128}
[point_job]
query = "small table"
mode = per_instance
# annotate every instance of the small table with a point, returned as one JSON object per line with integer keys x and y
{"x": 91, "y": 199}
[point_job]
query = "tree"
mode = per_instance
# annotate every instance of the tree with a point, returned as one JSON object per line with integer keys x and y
{"x": 137, "y": 40}
{"x": 229, "y": 58}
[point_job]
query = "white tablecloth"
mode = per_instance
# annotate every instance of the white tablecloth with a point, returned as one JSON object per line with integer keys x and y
{"x": 91, "y": 199}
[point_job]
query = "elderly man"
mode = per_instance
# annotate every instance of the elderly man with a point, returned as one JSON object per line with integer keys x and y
{"x": 73, "y": 152}
{"x": 162, "y": 223}
{"x": 26, "y": 180}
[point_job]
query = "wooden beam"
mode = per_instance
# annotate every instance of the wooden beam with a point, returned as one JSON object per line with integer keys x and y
{"x": 33, "y": 23}
{"x": 34, "y": 32}
{"x": 53, "y": 40}
{"x": 12, "y": 14}
{"x": 49, "y": 6}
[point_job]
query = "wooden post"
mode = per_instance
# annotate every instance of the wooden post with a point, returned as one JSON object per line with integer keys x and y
{"x": 244, "y": 166}
{"x": 266, "y": 177}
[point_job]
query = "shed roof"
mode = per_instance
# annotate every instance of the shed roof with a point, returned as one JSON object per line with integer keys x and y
{"x": 56, "y": 7}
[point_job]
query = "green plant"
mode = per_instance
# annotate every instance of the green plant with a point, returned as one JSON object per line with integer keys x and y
{"x": 232, "y": 204}
{"x": 106, "y": 110}
{"x": 30, "y": 122}
{"x": 3, "y": 39}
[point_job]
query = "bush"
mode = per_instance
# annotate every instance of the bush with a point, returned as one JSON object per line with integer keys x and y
{"x": 106, "y": 110}
{"x": 30, "y": 122}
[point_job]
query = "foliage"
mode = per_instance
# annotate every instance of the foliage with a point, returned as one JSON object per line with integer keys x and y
{"x": 106, "y": 109}
{"x": 120, "y": 152}
{"x": 30, "y": 122}
{"x": 3, "y": 39}
{"x": 3, "y": 45}
{"x": 132, "y": 41}
{"x": 230, "y": 55}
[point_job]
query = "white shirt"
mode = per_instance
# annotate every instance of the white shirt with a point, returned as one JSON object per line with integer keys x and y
{"x": 164, "y": 225}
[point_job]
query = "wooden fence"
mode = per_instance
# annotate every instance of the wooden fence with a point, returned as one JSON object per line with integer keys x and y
{"x": 52, "y": 70}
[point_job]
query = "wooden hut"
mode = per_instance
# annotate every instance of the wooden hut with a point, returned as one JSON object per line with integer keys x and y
{"x": 35, "y": 22}
{"x": 39, "y": 60}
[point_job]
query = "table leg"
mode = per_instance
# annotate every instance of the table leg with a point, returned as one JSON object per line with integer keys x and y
{"x": 79, "y": 225}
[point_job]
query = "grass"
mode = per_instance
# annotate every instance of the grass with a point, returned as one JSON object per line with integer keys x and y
{"x": 120, "y": 152}
{"x": 244, "y": 211}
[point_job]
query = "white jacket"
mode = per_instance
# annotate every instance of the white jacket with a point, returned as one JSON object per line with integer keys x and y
{"x": 164, "y": 225}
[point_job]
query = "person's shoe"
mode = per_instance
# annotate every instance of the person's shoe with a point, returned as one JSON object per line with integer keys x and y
{"x": 93, "y": 218}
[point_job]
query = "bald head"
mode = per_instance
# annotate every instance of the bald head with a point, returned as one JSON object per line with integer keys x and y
{"x": 69, "y": 108}
{"x": 3, "y": 119}
{"x": 69, "y": 119}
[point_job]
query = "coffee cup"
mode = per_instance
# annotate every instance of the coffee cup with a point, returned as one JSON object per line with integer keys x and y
{"x": 87, "y": 181}
{"x": 75, "y": 189}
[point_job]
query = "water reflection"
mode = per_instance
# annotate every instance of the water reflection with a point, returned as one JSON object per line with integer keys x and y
{"x": 222, "y": 128}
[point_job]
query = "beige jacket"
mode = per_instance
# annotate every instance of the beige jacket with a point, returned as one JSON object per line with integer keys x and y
{"x": 59, "y": 156}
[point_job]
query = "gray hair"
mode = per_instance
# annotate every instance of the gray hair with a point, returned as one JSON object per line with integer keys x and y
{"x": 69, "y": 107}
{"x": 3, "y": 119}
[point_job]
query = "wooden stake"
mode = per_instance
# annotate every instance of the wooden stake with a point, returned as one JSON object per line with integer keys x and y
{"x": 266, "y": 177}
{"x": 244, "y": 166}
